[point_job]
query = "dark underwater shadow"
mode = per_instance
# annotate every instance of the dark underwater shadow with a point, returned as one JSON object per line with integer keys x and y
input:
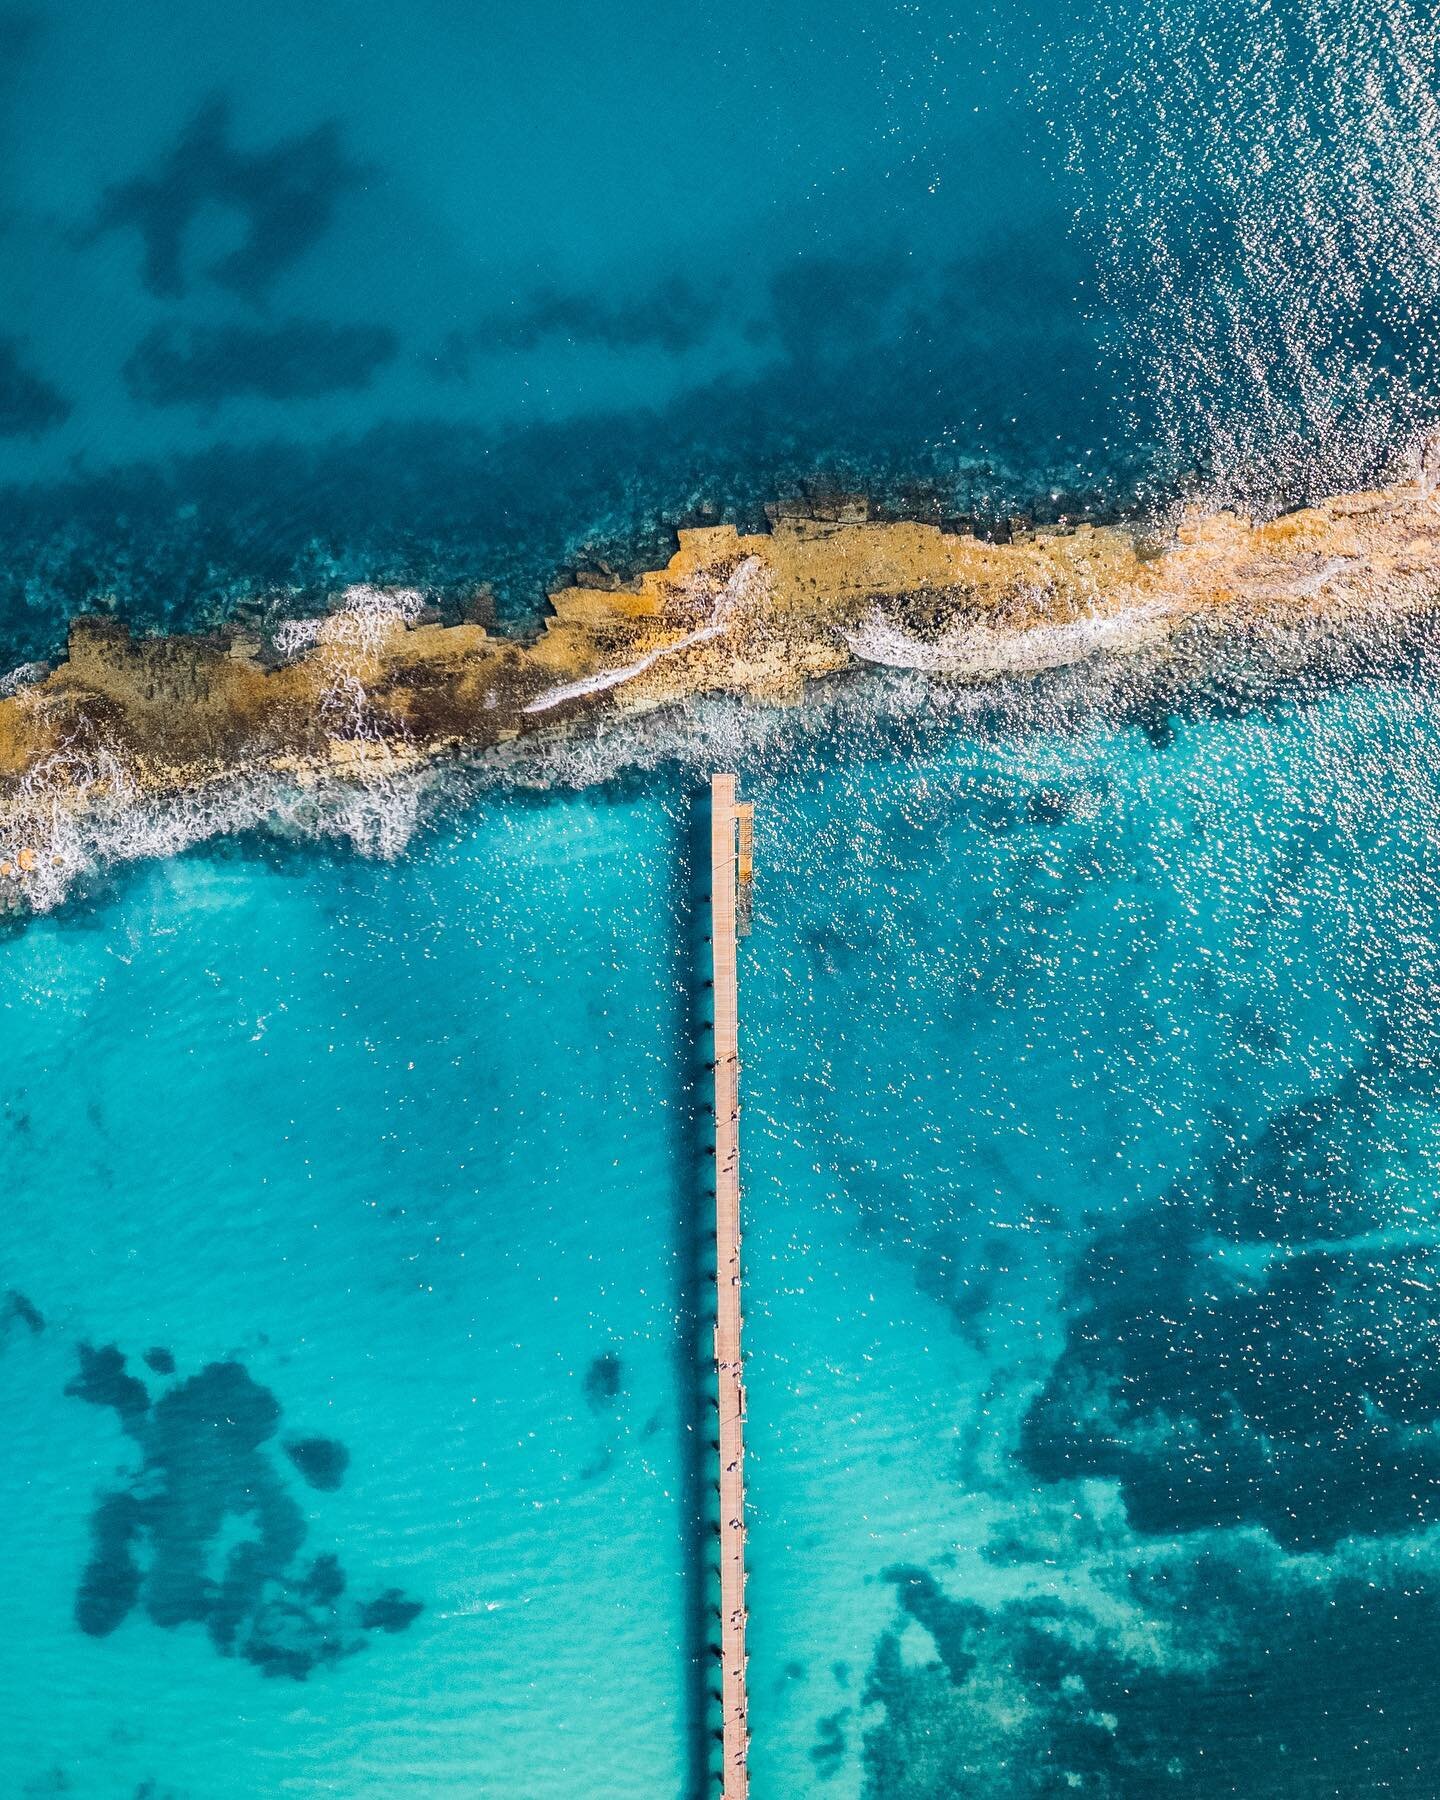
{"x": 695, "y": 1274}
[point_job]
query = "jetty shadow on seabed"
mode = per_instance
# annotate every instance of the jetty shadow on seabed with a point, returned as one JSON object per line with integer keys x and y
{"x": 695, "y": 1304}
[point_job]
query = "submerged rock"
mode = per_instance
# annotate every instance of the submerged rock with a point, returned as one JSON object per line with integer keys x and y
{"x": 321, "y": 1460}
{"x": 103, "y": 1381}
{"x": 604, "y": 1381}
{"x": 390, "y": 1611}
{"x": 208, "y": 1530}
{"x": 17, "y": 1309}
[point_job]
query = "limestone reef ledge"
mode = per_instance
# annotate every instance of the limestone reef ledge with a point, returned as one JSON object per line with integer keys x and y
{"x": 373, "y": 690}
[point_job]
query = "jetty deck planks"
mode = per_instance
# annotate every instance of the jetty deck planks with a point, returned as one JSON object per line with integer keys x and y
{"x": 729, "y": 911}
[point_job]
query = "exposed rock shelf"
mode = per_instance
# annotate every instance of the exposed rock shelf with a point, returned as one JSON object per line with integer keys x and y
{"x": 371, "y": 691}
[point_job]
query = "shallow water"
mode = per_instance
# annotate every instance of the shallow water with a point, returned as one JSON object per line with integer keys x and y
{"x": 1090, "y": 1113}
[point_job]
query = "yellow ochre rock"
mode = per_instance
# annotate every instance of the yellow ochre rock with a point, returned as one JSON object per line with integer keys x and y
{"x": 370, "y": 689}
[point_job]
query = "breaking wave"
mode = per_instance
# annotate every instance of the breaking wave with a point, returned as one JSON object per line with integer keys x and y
{"x": 117, "y": 822}
{"x": 84, "y": 811}
{"x": 737, "y": 589}
{"x": 979, "y": 650}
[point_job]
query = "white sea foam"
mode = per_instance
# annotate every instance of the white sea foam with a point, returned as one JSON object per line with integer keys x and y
{"x": 724, "y": 605}
{"x": 84, "y": 810}
{"x": 22, "y": 676}
{"x": 360, "y": 625}
{"x": 82, "y": 814}
{"x": 609, "y": 678}
{"x": 981, "y": 649}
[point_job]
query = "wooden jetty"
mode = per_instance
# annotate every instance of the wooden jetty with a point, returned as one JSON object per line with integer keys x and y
{"x": 730, "y": 876}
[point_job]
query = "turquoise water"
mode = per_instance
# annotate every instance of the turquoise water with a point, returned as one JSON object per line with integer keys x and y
{"x": 1089, "y": 1141}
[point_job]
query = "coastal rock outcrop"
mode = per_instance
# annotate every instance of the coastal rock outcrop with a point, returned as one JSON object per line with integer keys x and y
{"x": 374, "y": 689}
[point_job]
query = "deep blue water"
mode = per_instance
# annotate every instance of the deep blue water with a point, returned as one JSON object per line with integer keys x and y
{"x": 454, "y": 295}
{"x": 350, "y": 1304}
{"x": 293, "y": 295}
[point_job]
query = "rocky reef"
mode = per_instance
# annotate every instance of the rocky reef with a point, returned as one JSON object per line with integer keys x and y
{"x": 379, "y": 688}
